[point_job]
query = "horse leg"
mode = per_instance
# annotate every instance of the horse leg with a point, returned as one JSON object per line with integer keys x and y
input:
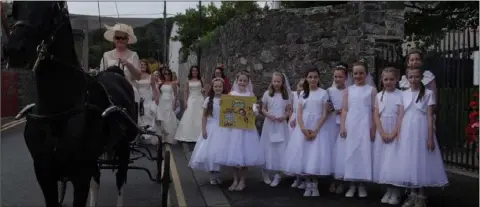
{"x": 45, "y": 173}
{"x": 81, "y": 184}
{"x": 123, "y": 152}
{"x": 94, "y": 188}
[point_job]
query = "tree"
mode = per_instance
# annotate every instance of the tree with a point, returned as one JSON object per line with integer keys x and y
{"x": 426, "y": 22}
{"x": 193, "y": 27}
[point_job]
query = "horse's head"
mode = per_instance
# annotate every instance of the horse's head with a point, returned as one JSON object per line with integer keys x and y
{"x": 35, "y": 21}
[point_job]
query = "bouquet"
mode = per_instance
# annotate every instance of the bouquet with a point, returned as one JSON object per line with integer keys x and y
{"x": 471, "y": 129}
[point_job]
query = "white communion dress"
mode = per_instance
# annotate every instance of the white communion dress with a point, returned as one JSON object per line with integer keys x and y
{"x": 241, "y": 147}
{"x": 415, "y": 166}
{"x": 275, "y": 135}
{"x": 166, "y": 114}
{"x": 310, "y": 157}
{"x": 191, "y": 123}
{"x": 384, "y": 154}
{"x": 207, "y": 149}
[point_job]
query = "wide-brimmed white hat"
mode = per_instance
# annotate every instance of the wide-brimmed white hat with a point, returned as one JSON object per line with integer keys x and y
{"x": 127, "y": 29}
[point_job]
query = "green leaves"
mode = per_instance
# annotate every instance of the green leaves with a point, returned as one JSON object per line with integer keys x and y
{"x": 197, "y": 28}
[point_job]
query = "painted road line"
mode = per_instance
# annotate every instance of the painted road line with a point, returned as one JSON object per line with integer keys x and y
{"x": 12, "y": 125}
{"x": 12, "y": 122}
{"x": 176, "y": 181}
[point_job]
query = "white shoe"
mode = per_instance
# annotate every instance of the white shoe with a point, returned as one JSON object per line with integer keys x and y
{"x": 314, "y": 189}
{"x": 387, "y": 196}
{"x": 410, "y": 200}
{"x": 351, "y": 191}
{"x": 421, "y": 201}
{"x": 302, "y": 185}
{"x": 266, "y": 179}
{"x": 296, "y": 183}
{"x": 362, "y": 191}
{"x": 308, "y": 190}
{"x": 213, "y": 181}
{"x": 339, "y": 189}
{"x": 394, "y": 197}
{"x": 276, "y": 180}
{"x": 217, "y": 178}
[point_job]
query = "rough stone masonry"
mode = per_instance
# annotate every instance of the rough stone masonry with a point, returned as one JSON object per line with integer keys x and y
{"x": 288, "y": 40}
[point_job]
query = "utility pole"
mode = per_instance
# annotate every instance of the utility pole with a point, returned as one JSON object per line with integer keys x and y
{"x": 165, "y": 51}
{"x": 199, "y": 49}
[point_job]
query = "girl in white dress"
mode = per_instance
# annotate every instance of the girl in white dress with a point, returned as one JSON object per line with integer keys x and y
{"x": 241, "y": 147}
{"x": 388, "y": 115}
{"x": 190, "y": 125}
{"x": 276, "y": 106}
{"x": 358, "y": 129}
{"x": 166, "y": 106}
{"x": 308, "y": 152}
{"x": 298, "y": 182}
{"x": 148, "y": 100}
{"x": 336, "y": 99}
{"x": 207, "y": 146}
{"x": 419, "y": 163}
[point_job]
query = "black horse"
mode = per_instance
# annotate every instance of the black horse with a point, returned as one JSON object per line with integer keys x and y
{"x": 75, "y": 117}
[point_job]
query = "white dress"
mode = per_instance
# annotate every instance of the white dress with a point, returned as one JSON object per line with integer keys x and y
{"x": 241, "y": 147}
{"x": 109, "y": 59}
{"x": 275, "y": 135}
{"x": 149, "y": 106}
{"x": 166, "y": 114}
{"x": 333, "y": 120}
{"x": 385, "y": 154}
{"x": 358, "y": 145}
{"x": 191, "y": 123}
{"x": 415, "y": 166}
{"x": 295, "y": 97}
{"x": 310, "y": 157}
{"x": 206, "y": 150}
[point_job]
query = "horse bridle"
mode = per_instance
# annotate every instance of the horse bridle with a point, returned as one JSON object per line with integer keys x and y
{"x": 42, "y": 48}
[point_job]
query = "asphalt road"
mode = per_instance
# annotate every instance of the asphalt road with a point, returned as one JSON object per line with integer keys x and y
{"x": 19, "y": 186}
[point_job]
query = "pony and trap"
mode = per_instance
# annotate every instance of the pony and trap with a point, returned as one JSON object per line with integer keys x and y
{"x": 78, "y": 116}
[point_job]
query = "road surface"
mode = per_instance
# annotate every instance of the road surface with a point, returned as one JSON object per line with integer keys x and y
{"x": 19, "y": 186}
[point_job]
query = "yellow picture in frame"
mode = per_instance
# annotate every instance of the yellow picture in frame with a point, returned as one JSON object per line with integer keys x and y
{"x": 237, "y": 112}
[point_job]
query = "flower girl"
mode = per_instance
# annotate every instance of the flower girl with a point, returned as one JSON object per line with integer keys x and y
{"x": 419, "y": 162}
{"x": 336, "y": 97}
{"x": 241, "y": 147}
{"x": 388, "y": 116}
{"x": 358, "y": 129}
{"x": 207, "y": 146}
{"x": 308, "y": 152}
{"x": 298, "y": 183}
{"x": 276, "y": 107}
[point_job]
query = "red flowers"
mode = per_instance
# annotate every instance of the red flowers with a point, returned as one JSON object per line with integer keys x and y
{"x": 471, "y": 131}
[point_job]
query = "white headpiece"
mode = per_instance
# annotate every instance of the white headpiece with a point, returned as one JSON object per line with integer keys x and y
{"x": 248, "y": 88}
{"x": 127, "y": 29}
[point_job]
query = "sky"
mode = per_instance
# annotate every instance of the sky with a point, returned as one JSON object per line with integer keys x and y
{"x": 134, "y": 9}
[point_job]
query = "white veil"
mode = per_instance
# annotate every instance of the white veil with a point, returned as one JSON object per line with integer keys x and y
{"x": 249, "y": 87}
{"x": 287, "y": 84}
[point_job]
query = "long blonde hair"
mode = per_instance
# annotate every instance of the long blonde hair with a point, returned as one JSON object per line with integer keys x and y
{"x": 283, "y": 89}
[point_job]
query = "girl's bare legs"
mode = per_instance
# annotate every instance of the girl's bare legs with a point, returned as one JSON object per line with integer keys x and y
{"x": 235, "y": 180}
{"x": 243, "y": 177}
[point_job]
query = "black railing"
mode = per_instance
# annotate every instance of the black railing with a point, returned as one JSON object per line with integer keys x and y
{"x": 451, "y": 61}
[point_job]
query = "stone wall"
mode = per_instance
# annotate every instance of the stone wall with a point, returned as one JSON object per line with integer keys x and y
{"x": 288, "y": 40}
